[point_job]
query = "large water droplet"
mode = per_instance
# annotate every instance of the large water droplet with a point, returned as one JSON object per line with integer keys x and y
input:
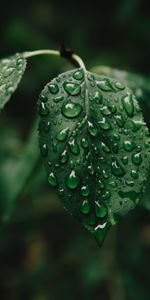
{"x": 85, "y": 191}
{"x": 78, "y": 75}
{"x": 72, "y": 88}
{"x": 62, "y": 135}
{"x": 104, "y": 124}
{"x": 136, "y": 158}
{"x": 52, "y": 179}
{"x": 53, "y": 88}
{"x": 73, "y": 146}
{"x": 100, "y": 210}
{"x": 137, "y": 124}
{"x": 116, "y": 168}
{"x": 128, "y": 105}
{"x": 92, "y": 129}
{"x": 104, "y": 85}
{"x": 71, "y": 110}
{"x": 85, "y": 208}
{"x": 72, "y": 180}
{"x": 128, "y": 145}
{"x": 58, "y": 99}
{"x": 119, "y": 85}
{"x": 63, "y": 157}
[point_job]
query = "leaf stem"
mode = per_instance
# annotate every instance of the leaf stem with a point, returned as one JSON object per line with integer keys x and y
{"x": 73, "y": 56}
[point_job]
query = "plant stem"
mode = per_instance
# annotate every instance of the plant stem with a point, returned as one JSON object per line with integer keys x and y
{"x": 74, "y": 57}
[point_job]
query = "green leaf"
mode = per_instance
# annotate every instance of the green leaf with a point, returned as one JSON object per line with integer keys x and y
{"x": 94, "y": 145}
{"x": 11, "y": 71}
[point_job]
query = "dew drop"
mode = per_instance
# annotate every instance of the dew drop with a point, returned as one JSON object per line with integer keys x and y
{"x": 61, "y": 191}
{"x": 105, "y": 148}
{"x": 136, "y": 158}
{"x": 116, "y": 168}
{"x": 62, "y": 135}
{"x": 134, "y": 174}
{"x": 104, "y": 85}
{"x": 43, "y": 98}
{"x": 78, "y": 75}
{"x": 71, "y": 110}
{"x": 97, "y": 97}
{"x": 128, "y": 105}
{"x": 71, "y": 164}
{"x": 92, "y": 129}
{"x": 128, "y": 145}
{"x": 73, "y": 146}
{"x": 53, "y": 88}
{"x": 119, "y": 85}
{"x": 124, "y": 159}
{"x": 85, "y": 208}
{"x": 105, "y": 111}
{"x": 85, "y": 191}
{"x": 84, "y": 143}
{"x": 44, "y": 150}
{"x": 58, "y": 99}
{"x": 106, "y": 195}
{"x": 63, "y": 157}
{"x": 72, "y": 180}
{"x": 43, "y": 109}
{"x": 72, "y": 88}
{"x": 100, "y": 184}
{"x": 91, "y": 169}
{"x": 137, "y": 125}
{"x": 104, "y": 124}
{"x": 52, "y": 179}
{"x": 105, "y": 173}
{"x": 119, "y": 120}
{"x": 100, "y": 210}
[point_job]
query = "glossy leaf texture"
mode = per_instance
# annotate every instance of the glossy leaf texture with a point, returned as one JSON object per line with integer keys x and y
{"x": 11, "y": 71}
{"x": 94, "y": 145}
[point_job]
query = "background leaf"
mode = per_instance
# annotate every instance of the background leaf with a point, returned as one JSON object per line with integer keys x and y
{"x": 11, "y": 71}
{"x": 94, "y": 145}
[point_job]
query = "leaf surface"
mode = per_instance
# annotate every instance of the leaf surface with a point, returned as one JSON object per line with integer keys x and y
{"x": 94, "y": 145}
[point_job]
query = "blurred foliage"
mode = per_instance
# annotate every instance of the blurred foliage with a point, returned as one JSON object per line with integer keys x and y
{"x": 44, "y": 253}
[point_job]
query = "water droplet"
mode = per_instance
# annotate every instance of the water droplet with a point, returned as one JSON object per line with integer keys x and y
{"x": 129, "y": 182}
{"x": 128, "y": 105}
{"x": 46, "y": 126}
{"x": 72, "y": 180}
{"x": 100, "y": 184}
{"x": 116, "y": 137}
{"x": 106, "y": 195}
{"x": 134, "y": 174}
{"x": 105, "y": 148}
{"x": 124, "y": 160}
{"x": 43, "y": 98}
{"x": 61, "y": 191}
{"x": 53, "y": 88}
{"x": 62, "y": 135}
{"x": 119, "y": 120}
{"x": 85, "y": 208}
{"x": 73, "y": 146}
{"x": 63, "y": 157}
{"x": 128, "y": 145}
{"x": 43, "y": 109}
{"x": 97, "y": 97}
{"x": 115, "y": 147}
{"x": 137, "y": 124}
{"x": 85, "y": 191}
{"x": 116, "y": 168}
{"x": 55, "y": 147}
{"x": 112, "y": 108}
{"x": 104, "y": 124}
{"x": 105, "y": 111}
{"x": 44, "y": 150}
{"x": 84, "y": 143}
{"x": 113, "y": 183}
{"x": 78, "y": 75}
{"x": 100, "y": 210}
{"x": 58, "y": 99}
{"x": 92, "y": 129}
{"x": 104, "y": 85}
{"x": 136, "y": 158}
{"x": 7, "y": 71}
{"x": 72, "y": 88}
{"x": 71, "y": 164}
{"x": 71, "y": 110}
{"x": 52, "y": 179}
{"x": 105, "y": 173}
{"x": 119, "y": 85}
{"x": 91, "y": 169}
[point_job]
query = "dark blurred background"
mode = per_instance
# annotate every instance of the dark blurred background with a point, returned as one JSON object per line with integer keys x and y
{"x": 44, "y": 253}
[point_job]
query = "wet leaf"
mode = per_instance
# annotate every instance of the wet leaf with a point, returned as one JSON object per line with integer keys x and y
{"x": 94, "y": 145}
{"x": 11, "y": 71}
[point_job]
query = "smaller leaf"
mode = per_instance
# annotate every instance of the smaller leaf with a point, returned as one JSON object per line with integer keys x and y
{"x": 11, "y": 71}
